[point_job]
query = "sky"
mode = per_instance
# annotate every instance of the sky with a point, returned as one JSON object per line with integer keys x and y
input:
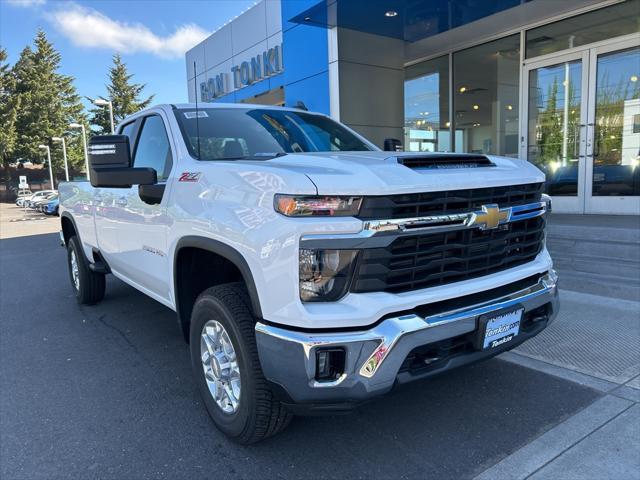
{"x": 151, "y": 35}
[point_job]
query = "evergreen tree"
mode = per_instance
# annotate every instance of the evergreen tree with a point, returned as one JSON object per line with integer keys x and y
{"x": 123, "y": 94}
{"x": 48, "y": 103}
{"x": 9, "y": 104}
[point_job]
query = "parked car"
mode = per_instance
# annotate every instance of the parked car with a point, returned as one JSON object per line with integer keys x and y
{"x": 22, "y": 194}
{"x": 39, "y": 195}
{"x": 35, "y": 204}
{"x": 310, "y": 271}
{"x": 50, "y": 207}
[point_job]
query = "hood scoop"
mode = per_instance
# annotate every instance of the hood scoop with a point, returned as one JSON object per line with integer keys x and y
{"x": 437, "y": 161}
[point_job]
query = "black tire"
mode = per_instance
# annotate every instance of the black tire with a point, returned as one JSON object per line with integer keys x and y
{"x": 91, "y": 285}
{"x": 259, "y": 413}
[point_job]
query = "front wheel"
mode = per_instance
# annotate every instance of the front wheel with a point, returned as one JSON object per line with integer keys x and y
{"x": 225, "y": 361}
{"x": 89, "y": 286}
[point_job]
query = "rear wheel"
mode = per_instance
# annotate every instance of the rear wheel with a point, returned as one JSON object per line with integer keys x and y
{"x": 225, "y": 361}
{"x": 88, "y": 285}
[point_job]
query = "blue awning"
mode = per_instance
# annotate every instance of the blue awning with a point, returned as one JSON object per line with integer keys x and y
{"x": 409, "y": 20}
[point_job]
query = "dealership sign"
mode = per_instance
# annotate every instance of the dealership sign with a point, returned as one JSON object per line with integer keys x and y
{"x": 246, "y": 73}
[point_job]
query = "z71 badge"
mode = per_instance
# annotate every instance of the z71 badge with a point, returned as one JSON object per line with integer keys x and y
{"x": 189, "y": 177}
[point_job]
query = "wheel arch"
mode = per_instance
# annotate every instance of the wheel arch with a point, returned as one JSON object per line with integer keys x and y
{"x": 184, "y": 302}
{"x": 69, "y": 227}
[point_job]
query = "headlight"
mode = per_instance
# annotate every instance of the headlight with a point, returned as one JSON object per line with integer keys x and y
{"x": 325, "y": 274}
{"x": 313, "y": 206}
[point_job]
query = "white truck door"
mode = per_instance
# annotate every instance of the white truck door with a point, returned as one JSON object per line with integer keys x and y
{"x": 109, "y": 215}
{"x": 142, "y": 240}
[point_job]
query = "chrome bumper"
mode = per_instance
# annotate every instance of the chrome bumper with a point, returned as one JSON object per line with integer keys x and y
{"x": 374, "y": 357}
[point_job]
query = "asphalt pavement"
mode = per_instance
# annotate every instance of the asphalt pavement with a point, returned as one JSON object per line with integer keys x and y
{"x": 107, "y": 392}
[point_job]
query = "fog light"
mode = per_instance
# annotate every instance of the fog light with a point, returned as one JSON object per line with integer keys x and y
{"x": 329, "y": 364}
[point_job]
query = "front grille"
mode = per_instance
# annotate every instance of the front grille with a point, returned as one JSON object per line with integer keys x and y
{"x": 442, "y": 203}
{"x": 426, "y": 260}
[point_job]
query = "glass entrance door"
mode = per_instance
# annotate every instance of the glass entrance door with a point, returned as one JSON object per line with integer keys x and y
{"x": 581, "y": 126}
{"x": 613, "y": 167}
{"x": 555, "y": 127}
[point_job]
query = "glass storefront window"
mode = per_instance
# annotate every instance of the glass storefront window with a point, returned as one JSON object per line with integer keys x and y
{"x": 486, "y": 89}
{"x": 426, "y": 106}
{"x": 603, "y": 24}
{"x": 616, "y": 154}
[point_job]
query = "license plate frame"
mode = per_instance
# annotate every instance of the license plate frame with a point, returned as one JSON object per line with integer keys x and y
{"x": 506, "y": 322}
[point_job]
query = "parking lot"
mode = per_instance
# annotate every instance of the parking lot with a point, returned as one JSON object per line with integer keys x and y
{"x": 19, "y": 222}
{"x": 106, "y": 391}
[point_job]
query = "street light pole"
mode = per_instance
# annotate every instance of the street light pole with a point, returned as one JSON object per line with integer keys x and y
{"x": 84, "y": 142}
{"x": 64, "y": 155}
{"x": 101, "y": 102}
{"x": 111, "y": 117}
{"x": 50, "y": 169}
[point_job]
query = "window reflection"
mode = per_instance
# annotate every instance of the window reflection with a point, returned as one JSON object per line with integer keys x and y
{"x": 486, "y": 86}
{"x": 616, "y": 154}
{"x": 620, "y": 19}
{"x": 427, "y": 106}
{"x": 555, "y": 94}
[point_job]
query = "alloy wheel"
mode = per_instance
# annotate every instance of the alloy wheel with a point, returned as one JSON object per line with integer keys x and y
{"x": 220, "y": 365}
{"x": 75, "y": 272}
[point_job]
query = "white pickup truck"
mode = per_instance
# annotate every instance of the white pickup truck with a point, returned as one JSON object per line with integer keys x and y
{"x": 310, "y": 271}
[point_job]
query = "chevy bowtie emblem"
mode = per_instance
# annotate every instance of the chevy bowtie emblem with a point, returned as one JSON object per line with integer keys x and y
{"x": 491, "y": 216}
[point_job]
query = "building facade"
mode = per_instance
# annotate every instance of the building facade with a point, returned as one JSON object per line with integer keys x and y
{"x": 551, "y": 81}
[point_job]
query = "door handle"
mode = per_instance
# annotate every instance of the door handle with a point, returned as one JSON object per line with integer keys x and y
{"x": 122, "y": 202}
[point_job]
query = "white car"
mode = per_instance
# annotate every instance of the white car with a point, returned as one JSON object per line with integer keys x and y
{"x": 22, "y": 194}
{"x": 309, "y": 270}
{"x": 30, "y": 199}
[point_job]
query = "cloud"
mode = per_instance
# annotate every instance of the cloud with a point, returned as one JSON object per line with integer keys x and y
{"x": 87, "y": 27}
{"x": 25, "y": 3}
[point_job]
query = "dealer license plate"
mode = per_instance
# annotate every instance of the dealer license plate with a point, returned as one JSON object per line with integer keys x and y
{"x": 500, "y": 327}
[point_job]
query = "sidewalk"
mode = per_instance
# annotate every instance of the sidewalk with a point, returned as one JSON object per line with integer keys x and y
{"x": 594, "y": 342}
{"x": 598, "y": 254}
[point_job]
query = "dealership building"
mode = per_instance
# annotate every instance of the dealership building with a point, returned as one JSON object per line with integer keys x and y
{"x": 555, "y": 82}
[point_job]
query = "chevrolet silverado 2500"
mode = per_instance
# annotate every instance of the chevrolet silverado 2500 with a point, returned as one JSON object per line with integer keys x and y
{"x": 310, "y": 271}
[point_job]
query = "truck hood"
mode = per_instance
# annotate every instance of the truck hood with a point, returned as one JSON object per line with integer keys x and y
{"x": 379, "y": 173}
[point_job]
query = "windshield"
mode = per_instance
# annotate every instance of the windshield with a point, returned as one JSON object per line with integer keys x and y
{"x": 231, "y": 134}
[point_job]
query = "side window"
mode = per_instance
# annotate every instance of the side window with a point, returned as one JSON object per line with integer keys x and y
{"x": 128, "y": 131}
{"x": 153, "y": 149}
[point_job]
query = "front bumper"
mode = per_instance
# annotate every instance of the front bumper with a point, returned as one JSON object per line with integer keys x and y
{"x": 378, "y": 358}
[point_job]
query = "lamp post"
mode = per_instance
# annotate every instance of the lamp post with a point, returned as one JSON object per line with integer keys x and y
{"x": 84, "y": 142}
{"x": 64, "y": 155}
{"x": 101, "y": 102}
{"x": 46, "y": 147}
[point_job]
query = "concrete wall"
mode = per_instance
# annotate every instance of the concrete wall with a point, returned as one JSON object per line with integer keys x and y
{"x": 367, "y": 83}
